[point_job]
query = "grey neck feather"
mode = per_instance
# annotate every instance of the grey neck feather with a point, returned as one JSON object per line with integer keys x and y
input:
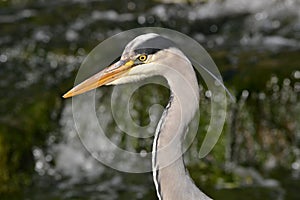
{"x": 171, "y": 179}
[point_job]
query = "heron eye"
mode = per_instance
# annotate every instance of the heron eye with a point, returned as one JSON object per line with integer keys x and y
{"x": 142, "y": 58}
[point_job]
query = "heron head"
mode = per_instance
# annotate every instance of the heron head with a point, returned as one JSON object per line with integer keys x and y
{"x": 143, "y": 57}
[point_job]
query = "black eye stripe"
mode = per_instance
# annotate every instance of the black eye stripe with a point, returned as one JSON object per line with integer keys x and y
{"x": 147, "y": 51}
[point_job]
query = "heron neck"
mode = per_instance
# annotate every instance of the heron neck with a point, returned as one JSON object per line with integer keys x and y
{"x": 169, "y": 173}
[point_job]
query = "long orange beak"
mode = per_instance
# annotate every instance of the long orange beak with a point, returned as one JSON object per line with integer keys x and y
{"x": 105, "y": 76}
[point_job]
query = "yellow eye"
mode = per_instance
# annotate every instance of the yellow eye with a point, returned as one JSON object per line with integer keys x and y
{"x": 142, "y": 58}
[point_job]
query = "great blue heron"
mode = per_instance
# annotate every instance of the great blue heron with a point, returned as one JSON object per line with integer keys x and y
{"x": 151, "y": 55}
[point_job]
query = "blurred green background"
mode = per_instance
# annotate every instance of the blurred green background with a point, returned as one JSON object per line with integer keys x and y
{"x": 255, "y": 44}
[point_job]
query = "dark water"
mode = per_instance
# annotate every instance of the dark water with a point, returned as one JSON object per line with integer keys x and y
{"x": 255, "y": 44}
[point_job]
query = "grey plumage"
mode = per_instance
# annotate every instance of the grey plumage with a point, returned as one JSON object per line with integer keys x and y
{"x": 171, "y": 179}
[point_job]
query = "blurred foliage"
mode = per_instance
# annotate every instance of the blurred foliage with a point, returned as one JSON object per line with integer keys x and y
{"x": 43, "y": 43}
{"x": 27, "y": 125}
